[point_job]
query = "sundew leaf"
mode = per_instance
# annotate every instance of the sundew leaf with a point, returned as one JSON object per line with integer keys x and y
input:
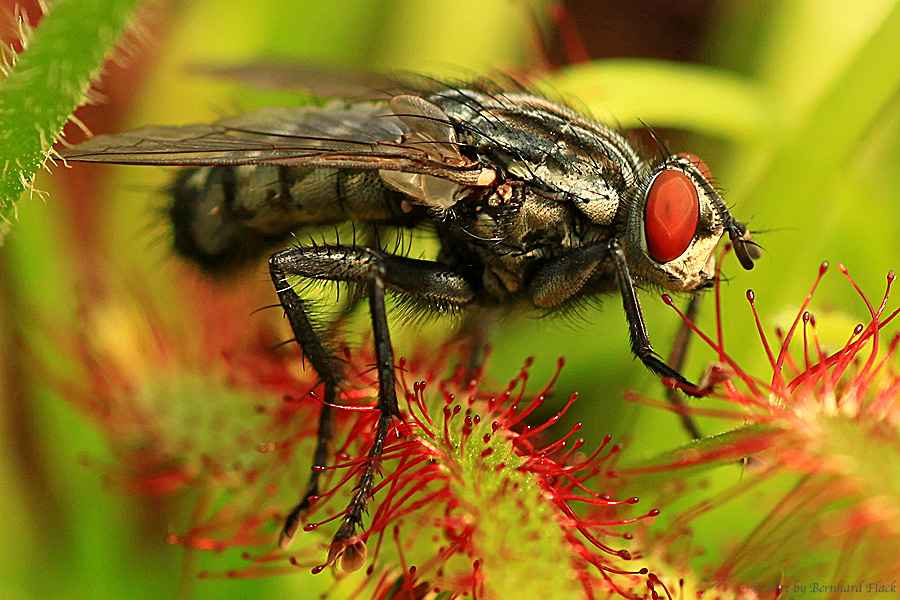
{"x": 48, "y": 81}
{"x": 707, "y": 453}
{"x": 668, "y": 94}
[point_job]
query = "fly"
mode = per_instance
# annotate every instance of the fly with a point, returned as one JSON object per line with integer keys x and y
{"x": 532, "y": 204}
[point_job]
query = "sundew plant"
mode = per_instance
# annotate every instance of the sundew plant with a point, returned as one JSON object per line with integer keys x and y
{"x": 156, "y": 430}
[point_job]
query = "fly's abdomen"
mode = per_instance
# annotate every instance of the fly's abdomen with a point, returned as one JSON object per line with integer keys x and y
{"x": 225, "y": 216}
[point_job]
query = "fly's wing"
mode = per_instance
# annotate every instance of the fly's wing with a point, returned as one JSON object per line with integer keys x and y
{"x": 312, "y": 79}
{"x": 270, "y": 136}
{"x": 360, "y": 136}
{"x": 410, "y": 141}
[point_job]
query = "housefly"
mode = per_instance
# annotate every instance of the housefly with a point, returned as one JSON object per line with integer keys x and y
{"x": 531, "y": 202}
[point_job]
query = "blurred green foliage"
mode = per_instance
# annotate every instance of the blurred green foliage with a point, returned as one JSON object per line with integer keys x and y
{"x": 794, "y": 108}
{"x": 48, "y": 81}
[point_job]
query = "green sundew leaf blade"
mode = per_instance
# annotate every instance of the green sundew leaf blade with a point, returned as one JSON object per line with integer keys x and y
{"x": 711, "y": 452}
{"x": 49, "y": 80}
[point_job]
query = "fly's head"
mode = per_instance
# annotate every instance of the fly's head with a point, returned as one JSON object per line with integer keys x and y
{"x": 675, "y": 221}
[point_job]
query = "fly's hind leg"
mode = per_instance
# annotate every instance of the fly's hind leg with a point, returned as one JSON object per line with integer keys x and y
{"x": 428, "y": 282}
{"x": 329, "y": 371}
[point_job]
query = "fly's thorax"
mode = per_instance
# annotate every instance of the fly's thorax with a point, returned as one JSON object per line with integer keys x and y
{"x": 551, "y": 148}
{"x": 541, "y": 225}
{"x": 513, "y": 219}
{"x": 674, "y": 221}
{"x": 509, "y": 230}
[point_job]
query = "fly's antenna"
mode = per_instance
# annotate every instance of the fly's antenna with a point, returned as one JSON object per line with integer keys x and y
{"x": 660, "y": 144}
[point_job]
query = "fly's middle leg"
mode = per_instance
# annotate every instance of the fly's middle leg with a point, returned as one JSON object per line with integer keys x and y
{"x": 677, "y": 359}
{"x": 424, "y": 281}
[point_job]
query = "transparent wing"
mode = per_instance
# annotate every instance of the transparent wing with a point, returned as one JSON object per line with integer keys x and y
{"x": 359, "y": 136}
{"x": 317, "y": 80}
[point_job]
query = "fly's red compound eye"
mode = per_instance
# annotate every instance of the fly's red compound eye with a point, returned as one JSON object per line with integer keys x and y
{"x": 670, "y": 215}
{"x": 701, "y": 166}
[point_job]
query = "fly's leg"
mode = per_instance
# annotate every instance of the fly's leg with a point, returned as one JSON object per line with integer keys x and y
{"x": 355, "y": 296}
{"x": 566, "y": 276}
{"x": 325, "y": 429}
{"x": 428, "y": 282}
{"x": 387, "y": 404}
{"x": 328, "y": 370}
{"x": 572, "y": 273}
{"x": 640, "y": 339}
{"x": 476, "y": 324}
{"x": 676, "y": 361}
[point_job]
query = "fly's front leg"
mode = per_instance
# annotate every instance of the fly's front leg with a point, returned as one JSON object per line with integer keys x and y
{"x": 565, "y": 277}
{"x": 640, "y": 339}
{"x": 425, "y": 281}
{"x": 574, "y": 273}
